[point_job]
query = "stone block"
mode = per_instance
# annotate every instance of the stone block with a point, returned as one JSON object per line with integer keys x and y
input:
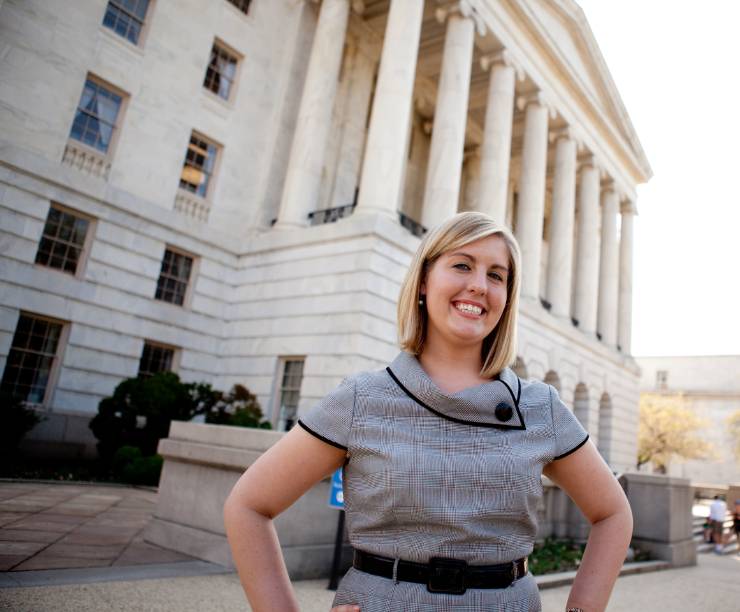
{"x": 663, "y": 522}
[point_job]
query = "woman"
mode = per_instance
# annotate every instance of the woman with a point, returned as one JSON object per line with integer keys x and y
{"x": 442, "y": 453}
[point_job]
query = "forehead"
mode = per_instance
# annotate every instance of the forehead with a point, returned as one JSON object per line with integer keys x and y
{"x": 491, "y": 250}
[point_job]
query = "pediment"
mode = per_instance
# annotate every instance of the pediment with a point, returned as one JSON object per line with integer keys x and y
{"x": 564, "y": 26}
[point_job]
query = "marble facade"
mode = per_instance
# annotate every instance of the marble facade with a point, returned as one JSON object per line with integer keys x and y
{"x": 422, "y": 108}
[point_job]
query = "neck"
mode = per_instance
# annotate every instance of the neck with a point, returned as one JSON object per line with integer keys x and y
{"x": 457, "y": 360}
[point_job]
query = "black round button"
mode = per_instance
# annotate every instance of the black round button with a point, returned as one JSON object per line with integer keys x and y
{"x": 503, "y": 412}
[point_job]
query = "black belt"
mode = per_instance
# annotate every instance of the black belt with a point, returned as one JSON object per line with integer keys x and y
{"x": 443, "y": 575}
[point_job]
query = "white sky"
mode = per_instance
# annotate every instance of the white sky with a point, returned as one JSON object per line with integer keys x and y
{"x": 675, "y": 63}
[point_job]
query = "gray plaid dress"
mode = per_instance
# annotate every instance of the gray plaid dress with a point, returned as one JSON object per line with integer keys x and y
{"x": 437, "y": 475}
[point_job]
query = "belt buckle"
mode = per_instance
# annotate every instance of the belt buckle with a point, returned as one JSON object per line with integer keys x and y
{"x": 514, "y": 571}
{"x": 447, "y": 576}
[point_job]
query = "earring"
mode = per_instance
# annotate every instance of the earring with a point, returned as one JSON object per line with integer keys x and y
{"x": 421, "y": 301}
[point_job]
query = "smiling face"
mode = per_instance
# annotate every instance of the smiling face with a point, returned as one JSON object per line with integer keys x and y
{"x": 466, "y": 292}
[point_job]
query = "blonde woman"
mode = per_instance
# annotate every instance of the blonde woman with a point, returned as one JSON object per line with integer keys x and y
{"x": 443, "y": 453}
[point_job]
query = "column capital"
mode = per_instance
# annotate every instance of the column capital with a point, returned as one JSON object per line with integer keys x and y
{"x": 628, "y": 207}
{"x": 592, "y": 161}
{"x": 502, "y": 57}
{"x": 567, "y": 133}
{"x": 535, "y": 97}
{"x": 464, "y": 9}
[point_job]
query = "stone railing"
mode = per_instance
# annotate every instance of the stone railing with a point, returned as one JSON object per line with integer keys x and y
{"x": 192, "y": 205}
{"x": 86, "y": 159}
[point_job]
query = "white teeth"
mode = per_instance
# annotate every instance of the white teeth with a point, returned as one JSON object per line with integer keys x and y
{"x": 468, "y": 308}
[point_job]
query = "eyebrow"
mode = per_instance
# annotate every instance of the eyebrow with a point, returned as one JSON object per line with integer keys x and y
{"x": 470, "y": 257}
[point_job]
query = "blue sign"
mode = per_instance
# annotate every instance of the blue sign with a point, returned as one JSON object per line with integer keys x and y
{"x": 336, "y": 495}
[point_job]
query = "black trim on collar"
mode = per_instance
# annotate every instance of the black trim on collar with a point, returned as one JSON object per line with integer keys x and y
{"x": 463, "y": 421}
{"x": 572, "y": 450}
{"x": 320, "y": 437}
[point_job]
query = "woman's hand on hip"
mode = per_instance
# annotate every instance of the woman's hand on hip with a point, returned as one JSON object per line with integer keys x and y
{"x": 346, "y": 608}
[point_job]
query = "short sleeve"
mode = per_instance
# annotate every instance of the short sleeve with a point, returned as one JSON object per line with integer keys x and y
{"x": 569, "y": 433}
{"x": 331, "y": 419}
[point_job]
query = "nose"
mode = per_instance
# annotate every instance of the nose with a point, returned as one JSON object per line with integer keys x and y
{"x": 477, "y": 284}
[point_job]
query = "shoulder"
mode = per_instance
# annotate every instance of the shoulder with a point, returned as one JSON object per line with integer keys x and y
{"x": 536, "y": 393}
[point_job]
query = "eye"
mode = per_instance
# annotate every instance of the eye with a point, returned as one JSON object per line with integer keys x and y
{"x": 496, "y": 276}
{"x": 461, "y": 266}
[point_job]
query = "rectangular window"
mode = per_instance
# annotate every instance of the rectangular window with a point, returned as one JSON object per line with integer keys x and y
{"x": 221, "y": 71}
{"x": 200, "y": 161}
{"x": 95, "y": 119}
{"x": 661, "y": 379}
{"x": 126, "y": 18}
{"x": 242, "y": 5}
{"x": 31, "y": 358}
{"x": 290, "y": 392}
{"x": 63, "y": 240}
{"x": 174, "y": 277}
{"x": 155, "y": 358}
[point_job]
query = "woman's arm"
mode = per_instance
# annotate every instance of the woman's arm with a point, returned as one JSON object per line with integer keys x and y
{"x": 589, "y": 482}
{"x": 270, "y": 485}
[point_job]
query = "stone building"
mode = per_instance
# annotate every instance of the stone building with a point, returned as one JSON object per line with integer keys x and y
{"x": 710, "y": 385}
{"x": 233, "y": 189}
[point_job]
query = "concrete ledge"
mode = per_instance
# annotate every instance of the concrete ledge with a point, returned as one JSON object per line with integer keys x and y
{"x": 550, "y": 581}
{"x": 207, "y": 454}
{"x": 198, "y": 543}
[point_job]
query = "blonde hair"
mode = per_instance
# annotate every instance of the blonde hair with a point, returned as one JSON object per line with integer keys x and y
{"x": 499, "y": 347}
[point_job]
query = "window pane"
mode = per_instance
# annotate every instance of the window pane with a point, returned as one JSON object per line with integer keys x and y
{"x": 96, "y": 116}
{"x": 31, "y": 357}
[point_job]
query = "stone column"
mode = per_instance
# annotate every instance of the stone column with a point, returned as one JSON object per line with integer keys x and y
{"x": 496, "y": 149}
{"x": 381, "y": 183}
{"x": 303, "y": 178}
{"x": 531, "y": 205}
{"x": 442, "y": 191}
{"x": 560, "y": 258}
{"x": 626, "y": 245}
{"x": 608, "y": 267}
{"x": 587, "y": 248}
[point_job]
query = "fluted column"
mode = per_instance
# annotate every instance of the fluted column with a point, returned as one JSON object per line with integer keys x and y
{"x": 626, "y": 246}
{"x": 442, "y": 191}
{"x": 560, "y": 258}
{"x": 608, "y": 267}
{"x": 303, "y": 178}
{"x": 385, "y": 151}
{"x": 496, "y": 149}
{"x": 587, "y": 248}
{"x": 531, "y": 205}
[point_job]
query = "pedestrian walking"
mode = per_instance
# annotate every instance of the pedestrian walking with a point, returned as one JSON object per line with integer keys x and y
{"x": 717, "y": 516}
{"x": 443, "y": 452}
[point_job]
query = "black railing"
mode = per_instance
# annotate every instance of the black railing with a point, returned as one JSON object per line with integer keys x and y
{"x": 417, "y": 229}
{"x": 330, "y": 215}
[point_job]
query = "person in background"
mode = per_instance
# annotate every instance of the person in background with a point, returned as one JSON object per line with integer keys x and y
{"x": 717, "y": 515}
{"x": 736, "y": 523}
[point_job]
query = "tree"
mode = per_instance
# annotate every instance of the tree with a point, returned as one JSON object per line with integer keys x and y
{"x": 667, "y": 431}
{"x": 733, "y": 429}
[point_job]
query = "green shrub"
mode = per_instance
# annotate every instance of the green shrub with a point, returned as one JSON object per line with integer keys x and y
{"x": 17, "y": 421}
{"x": 143, "y": 471}
{"x": 130, "y": 466}
{"x": 141, "y": 409}
{"x": 554, "y": 555}
{"x": 240, "y": 408}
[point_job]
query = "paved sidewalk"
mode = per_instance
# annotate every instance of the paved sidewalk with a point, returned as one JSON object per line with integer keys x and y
{"x": 49, "y": 526}
{"x": 712, "y": 585}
